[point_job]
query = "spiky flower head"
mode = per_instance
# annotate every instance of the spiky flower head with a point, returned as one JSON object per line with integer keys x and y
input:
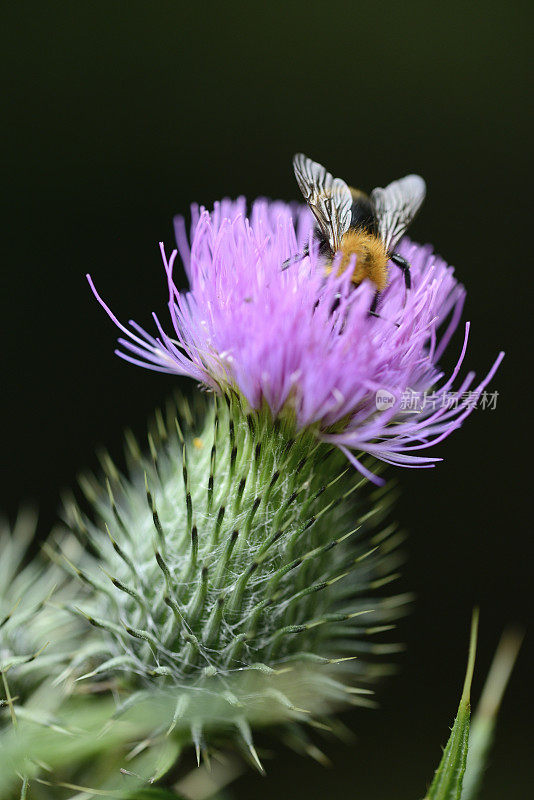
{"x": 234, "y": 575}
{"x": 236, "y": 568}
{"x": 304, "y": 344}
{"x": 36, "y": 633}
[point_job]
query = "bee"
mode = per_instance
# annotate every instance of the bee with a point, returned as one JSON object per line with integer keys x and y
{"x": 351, "y": 223}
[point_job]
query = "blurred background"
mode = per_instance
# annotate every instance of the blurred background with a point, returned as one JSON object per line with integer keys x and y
{"x": 121, "y": 114}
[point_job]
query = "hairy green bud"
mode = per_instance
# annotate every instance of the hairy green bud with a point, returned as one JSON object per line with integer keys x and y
{"x": 236, "y": 571}
{"x": 35, "y": 634}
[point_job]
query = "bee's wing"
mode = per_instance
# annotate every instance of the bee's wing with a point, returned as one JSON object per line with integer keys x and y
{"x": 396, "y": 206}
{"x": 329, "y": 198}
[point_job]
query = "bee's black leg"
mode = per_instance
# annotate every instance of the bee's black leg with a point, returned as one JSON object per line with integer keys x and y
{"x": 297, "y": 257}
{"x": 374, "y": 306}
{"x": 403, "y": 265}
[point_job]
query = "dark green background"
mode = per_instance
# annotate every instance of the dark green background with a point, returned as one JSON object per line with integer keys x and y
{"x": 120, "y": 114}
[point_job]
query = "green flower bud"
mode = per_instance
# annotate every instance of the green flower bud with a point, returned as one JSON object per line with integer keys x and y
{"x": 35, "y": 633}
{"x": 235, "y": 575}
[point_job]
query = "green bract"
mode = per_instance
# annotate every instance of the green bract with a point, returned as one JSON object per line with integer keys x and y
{"x": 35, "y": 634}
{"x": 234, "y": 554}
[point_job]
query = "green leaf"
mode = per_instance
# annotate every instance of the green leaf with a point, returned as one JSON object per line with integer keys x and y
{"x": 447, "y": 783}
{"x": 483, "y": 725}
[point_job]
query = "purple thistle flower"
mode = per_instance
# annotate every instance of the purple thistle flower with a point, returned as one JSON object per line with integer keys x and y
{"x": 303, "y": 343}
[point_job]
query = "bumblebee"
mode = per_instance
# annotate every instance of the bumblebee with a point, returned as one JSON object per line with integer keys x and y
{"x": 353, "y": 224}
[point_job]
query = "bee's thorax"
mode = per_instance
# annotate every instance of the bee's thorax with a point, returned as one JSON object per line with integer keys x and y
{"x": 371, "y": 257}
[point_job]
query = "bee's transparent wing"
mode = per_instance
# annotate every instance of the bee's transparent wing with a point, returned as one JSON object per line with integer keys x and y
{"x": 329, "y": 198}
{"x": 396, "y": 206}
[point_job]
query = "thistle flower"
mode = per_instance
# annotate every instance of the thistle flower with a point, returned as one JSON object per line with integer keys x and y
{"x": 303, "y": 344}
{"x": 232, "y": 575}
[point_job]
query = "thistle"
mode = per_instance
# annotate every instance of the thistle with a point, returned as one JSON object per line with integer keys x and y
{"x": 303, "y": 343}
{"x": 237, "y": 574}
{"x": 35, "y": 633}
{"x": 237, "y": 552}
{"x": 247, "y": 543}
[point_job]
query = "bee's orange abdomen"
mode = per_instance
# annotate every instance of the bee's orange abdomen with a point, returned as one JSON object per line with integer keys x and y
{"x": 371, "y": 257}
